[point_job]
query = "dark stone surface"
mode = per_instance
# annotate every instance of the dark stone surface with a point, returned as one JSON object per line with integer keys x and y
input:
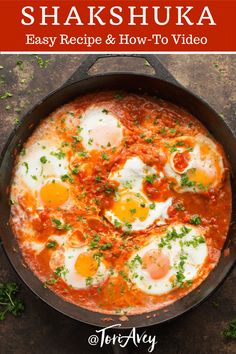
{"x": 41, "y": 329}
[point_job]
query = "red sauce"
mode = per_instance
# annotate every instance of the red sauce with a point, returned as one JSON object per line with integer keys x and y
{"x": 181, "y": 160}
{"x": 149, "y": 124}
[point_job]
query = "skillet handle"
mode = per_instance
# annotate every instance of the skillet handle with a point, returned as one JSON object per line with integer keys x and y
{"x": 82, "y": 72}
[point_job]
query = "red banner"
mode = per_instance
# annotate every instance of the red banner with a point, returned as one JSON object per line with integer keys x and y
{"x": 117, "y": 26}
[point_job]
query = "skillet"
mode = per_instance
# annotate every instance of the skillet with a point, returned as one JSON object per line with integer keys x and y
{"x": 161, "y": 84}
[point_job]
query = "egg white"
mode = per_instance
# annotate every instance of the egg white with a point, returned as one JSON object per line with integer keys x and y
{"x": 175, "y": 248}
{"x": 71, "y": 276}
{"x": 99, "y": 128}
{"x": 132, "y": 174}
{"x": 43, "y": 163}
{"x": 33, "y": 173}
{"x": 131, "y": 177}
{"x": 195, "y": 163}
{"x": 158, "y": 214}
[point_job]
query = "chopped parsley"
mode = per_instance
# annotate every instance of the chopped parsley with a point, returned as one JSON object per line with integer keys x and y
{"x": 9, "y": 303}
{"x": 6, "y": 95}
{"x": 179, "y": 206}
{"x": 124, "y": 275}
{"x": 67, "y": 227}
{"x": 173, "y": 147}
{"x": 42, "y": 63}
{"x": 180, "y": 278}
{"x": 61, "y": 271}
{"x": 20, "y": 63}
{"x": 105, "y": 111}
{"x": 152, "y": 206}
{"x": 43, "y": 159}
{"x": 162, "y": 131}
{"x": 128, "y": 226}
{"x": 230, "y": 331}
{"x": 155, "y": 120}
{"x": 89, "y": 281}
{"x": 97, "y": 257}
{"x": 195, "y": 220}
{"x": 196, "y": 241}
{"x": 23, "y": 152}
{"x": 51, "y": 281}
{"x": 185, "y": 181}
{"x": 105, "y": 156}
{"x": 172, "y": 130}
{"x": 58, "y": 154}
{"x": 82, "y": 153}
{"x": 137, "y": 259}
{"x": 26, "y": 166}
{"x": 75, "y": 170}
{"x": 94, "y": 242}
{"x": 151, "y": 178}
{"x": 106, "y": 246}
{"x": 67, "y": 177}
{"x": 98, "y": 178}
{"x": 150, "y": 140}
{"x": 173, "y": 235}
{"x": 117, "y": 224}
{"x": 108, "y": 188}
{"x": 59, "y": 225}
{"x": 51, "y": 244}
{"x": 77, "y": 139}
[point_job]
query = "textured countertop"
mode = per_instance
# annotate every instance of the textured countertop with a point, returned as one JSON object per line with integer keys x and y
{"x": 41, "y": 329}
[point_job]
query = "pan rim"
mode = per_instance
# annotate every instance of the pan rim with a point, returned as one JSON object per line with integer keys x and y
{"x": 95, "y": 323}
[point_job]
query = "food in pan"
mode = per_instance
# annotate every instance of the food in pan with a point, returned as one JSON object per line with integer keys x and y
{"x": 169, "y": 260}
{"x": 121, "y": 202}
{"x": 132, "y": 209}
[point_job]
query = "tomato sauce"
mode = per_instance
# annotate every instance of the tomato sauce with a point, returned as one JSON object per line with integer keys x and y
{"x": 150, "y": 125}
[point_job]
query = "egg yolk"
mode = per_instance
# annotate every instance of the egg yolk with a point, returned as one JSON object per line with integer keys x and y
{"x": 200, "y": 176}
{"x": 130, "y": 206}
{"x": 105, "y": 136}
{"x": 205, "y": 150}
{"x": 86, "y": 265}
{"x": 54, "y": 194}
{"x": 207, "y": 175}
{"x": 156, "y": 264}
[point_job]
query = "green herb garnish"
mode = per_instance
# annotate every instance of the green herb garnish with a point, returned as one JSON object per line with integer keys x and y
{"x": 195, "y": 220}
{"x": 8, "y": 301}
{"x": 151, "y": 178}
{"x": 230, "y": 331}
{"x": 51, "y": 244}
{"x": 43, "y": 159}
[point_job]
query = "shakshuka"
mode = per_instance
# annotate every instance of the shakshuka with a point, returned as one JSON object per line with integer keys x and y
{"x": 121, "y": 202}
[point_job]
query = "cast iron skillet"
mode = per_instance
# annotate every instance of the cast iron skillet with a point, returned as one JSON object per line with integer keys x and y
{"x": 163, "y": 85}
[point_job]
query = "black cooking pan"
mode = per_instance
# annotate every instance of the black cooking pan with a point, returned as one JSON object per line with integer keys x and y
{"x": 161, "y": 84}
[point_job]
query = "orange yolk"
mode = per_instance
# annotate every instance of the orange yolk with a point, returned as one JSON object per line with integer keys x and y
{"x": 86, "y": 265}
{"x": 156, "y": 264}
{"x": 54, "y": 194}
{"x": 206, "y": 176}
{"x": 130, "y": 206}
{"x": 200, "y": 176}
{"x": 205, "y": 150}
